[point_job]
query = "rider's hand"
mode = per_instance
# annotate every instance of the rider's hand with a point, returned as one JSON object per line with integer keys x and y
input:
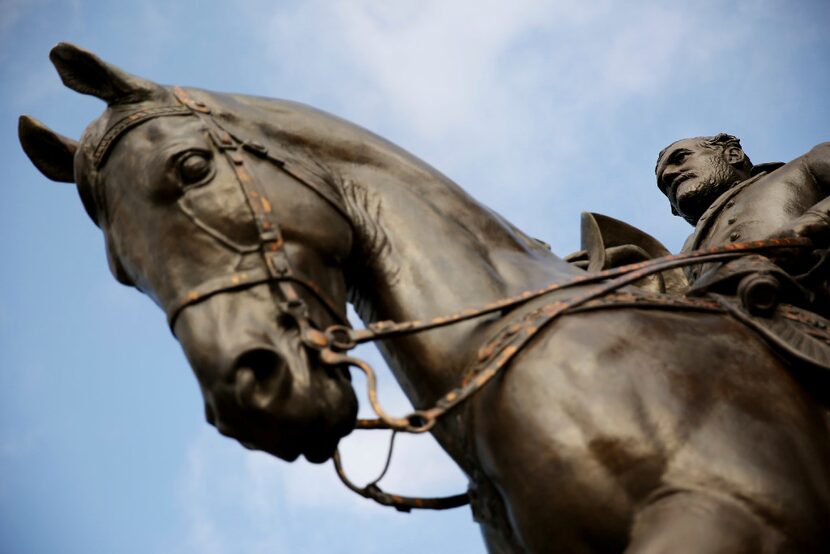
{"x": 814, "y": 224}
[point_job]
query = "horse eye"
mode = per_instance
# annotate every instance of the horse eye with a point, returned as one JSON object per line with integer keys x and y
{"x": 193, "y": 167}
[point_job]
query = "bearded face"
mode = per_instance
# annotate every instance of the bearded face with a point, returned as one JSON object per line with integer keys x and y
{"x": 695, "y": 194}
{"x": 693, "y": 175}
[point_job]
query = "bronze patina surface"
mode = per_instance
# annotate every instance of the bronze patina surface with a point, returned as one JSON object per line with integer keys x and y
{"x": 615, "y": 420}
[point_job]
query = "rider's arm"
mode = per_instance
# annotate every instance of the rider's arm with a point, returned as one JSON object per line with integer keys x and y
{"x": 815, "y": 222}
{"x": 817, "y": 163}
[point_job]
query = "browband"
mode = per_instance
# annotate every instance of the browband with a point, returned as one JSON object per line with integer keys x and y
{"x": 104, "y": 146}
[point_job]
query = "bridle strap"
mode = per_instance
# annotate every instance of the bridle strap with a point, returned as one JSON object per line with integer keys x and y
{"x": 387, "y": 329}
{"x": 102, "y": 149}
{"x": 401, "y": 503}
{"x": 497, "y": 353}
{"x": 277, "y": 267}
{"x": 228, "y": 140}
{"x": 241, "y": 280}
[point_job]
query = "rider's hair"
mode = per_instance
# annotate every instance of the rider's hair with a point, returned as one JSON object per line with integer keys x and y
{"x": 721, "y": 141}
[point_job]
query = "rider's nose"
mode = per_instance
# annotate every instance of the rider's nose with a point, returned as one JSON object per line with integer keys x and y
{"x": 668, "y": 178}
{"x": 261, "y": 377}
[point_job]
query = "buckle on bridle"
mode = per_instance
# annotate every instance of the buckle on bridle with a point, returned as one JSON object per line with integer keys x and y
{"x": 295, "y": 307}
{"x": 340, "y": 338}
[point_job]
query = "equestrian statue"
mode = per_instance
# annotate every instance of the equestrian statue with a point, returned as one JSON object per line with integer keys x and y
{"x": 594, "y": 411}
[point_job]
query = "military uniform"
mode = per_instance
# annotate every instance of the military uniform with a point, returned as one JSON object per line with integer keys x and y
{"x": 754, "y": 209}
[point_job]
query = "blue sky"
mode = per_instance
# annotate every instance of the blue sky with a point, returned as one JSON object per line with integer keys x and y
{"x": 539, "y": 109}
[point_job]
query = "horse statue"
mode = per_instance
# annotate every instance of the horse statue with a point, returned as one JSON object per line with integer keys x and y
{"x": 602, "y": 420}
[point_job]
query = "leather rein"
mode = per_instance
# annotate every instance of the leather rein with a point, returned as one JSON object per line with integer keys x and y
{"x": 500, "y": 350}
{"x": 333, "y": 343}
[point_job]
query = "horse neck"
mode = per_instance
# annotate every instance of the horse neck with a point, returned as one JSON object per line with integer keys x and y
{"x": 424, "y": 248}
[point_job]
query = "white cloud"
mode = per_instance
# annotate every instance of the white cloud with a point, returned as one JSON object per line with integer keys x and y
{"x": 499, "y": 95}
{"x": 225, "y": 502}
{"x": 442, "y": 51}
{"x": 240, "y": 501}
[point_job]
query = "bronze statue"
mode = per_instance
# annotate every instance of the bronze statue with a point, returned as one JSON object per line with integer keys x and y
{"x": 590, "y": 417}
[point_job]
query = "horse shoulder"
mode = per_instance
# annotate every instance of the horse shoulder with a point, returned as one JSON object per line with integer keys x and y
{"x": 606, "y": 408}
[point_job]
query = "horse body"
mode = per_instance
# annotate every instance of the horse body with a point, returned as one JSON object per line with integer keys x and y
{"x": 619, "y": 428}
{"x": 613, "y": 412}
{"x": 620, "y": 407}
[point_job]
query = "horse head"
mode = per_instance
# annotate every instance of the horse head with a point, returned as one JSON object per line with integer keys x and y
{"x": 198, "y": 215}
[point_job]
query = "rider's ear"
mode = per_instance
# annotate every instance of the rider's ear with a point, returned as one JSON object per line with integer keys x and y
{"x": 733, "y": 155}
{"x": 84, "y": 72}
{"x": 51, "y": 153}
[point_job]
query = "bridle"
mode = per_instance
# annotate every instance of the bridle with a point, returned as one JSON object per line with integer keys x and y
{"x": 273, "y": 265}
{"x": 333, "y": 343}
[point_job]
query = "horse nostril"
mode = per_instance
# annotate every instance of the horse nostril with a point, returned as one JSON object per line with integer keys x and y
{"x": 261, "y": 376}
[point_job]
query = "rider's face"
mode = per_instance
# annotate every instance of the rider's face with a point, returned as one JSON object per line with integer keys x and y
{"x": 692, "y": 175}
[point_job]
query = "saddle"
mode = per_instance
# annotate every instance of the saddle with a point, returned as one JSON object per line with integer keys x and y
{"x": 608, "y": 243}
{"x": 752, "y": 289}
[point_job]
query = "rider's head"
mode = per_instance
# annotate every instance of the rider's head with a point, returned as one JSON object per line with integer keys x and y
{"x": 694, "y": 172}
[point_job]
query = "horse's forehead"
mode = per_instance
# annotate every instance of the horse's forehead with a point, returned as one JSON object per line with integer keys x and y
{"x": 102, "y": 133}
{"x": 96, "y": 131}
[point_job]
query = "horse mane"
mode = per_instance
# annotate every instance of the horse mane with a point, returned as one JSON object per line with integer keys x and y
{"x": 340, "y": 149}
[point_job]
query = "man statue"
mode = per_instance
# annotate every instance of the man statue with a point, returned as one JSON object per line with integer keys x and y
{"x": 712, "y": 184}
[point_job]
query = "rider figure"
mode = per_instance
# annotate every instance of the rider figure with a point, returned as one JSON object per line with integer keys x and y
{"x": 713, "y": 185}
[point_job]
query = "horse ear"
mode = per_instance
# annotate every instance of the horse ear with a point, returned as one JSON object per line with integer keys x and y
{"x": 52, "y": 154}
{"x": 84, "y": 72}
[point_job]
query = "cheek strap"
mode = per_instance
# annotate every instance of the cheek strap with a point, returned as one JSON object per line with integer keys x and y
{"x": 275, "y": 266}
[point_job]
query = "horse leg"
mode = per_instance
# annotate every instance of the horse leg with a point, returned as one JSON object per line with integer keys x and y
{"x": 681, "y": 522}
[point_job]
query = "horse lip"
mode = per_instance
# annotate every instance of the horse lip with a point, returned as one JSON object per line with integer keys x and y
{"x": 320, "y": 452}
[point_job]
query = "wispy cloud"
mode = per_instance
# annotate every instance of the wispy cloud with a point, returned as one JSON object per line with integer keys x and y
{"x": 240, "y": 501}
{"x": 521, "y": 89}
{"x": 544, "y": 109}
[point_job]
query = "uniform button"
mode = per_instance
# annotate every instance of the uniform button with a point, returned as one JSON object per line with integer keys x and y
{"x": 731, "y": 220}
{"x": 734, "y": 235}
